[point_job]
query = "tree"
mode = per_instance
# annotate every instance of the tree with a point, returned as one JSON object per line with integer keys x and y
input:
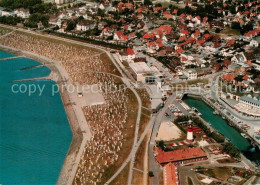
{"x": 235, "y": 25}
{"x": 71, "y": 25}
{"x": 148, "y": 2}
{"x": 231, "y": 150}
{"x": 150, "y": 174}
{"x": 217, "y": 30}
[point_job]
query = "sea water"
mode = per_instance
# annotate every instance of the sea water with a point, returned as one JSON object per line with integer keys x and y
{"x": 34, "y": 130}
{"x": 221, "y": 126}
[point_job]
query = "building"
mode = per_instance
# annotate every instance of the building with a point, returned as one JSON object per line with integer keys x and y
{"x": 143, "y": 73}
{"x": 170, "y": 175}
{"x": 85, "y": 25}
{"x": 249, "y": 105}
{"x": 191, "y": 74}
{"x": 127, "y": 55}
{"x": 23, "y": 13}
{"x": 250, "y": 102}
{"x": 190, "y": 134}
{"x": 49, "y": 1}
{"x": 59, "y": 2}
{"x": 182, "y": 156}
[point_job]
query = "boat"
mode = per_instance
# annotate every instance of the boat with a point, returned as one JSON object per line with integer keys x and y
{"x": 223, "y": 117}
{"x": 215, "y": 112}
{"x": 244, "y": 135}
{"x": 196, "y": 111}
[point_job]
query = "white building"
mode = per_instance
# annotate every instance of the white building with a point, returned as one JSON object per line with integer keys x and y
{"x": 191, "y": 74}
{"x": 23, "y": 13}
{"x": 255, "y": 42}
{"x": 63, "y": 1}
{"x": 85, "y": 25}
{"x": 143, "y": 73}
{"x": 127, "y": 55}
{"x": 250, "y": 102}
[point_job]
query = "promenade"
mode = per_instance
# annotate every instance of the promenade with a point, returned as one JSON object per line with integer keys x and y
{"x": 70, "y": 167}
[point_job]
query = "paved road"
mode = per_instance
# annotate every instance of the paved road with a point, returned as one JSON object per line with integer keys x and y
{"x": 153, "y": 165}
{"x": 185, "y": 172}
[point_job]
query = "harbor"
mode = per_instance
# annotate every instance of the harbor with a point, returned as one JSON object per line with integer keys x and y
{"x": 241, "y": 141}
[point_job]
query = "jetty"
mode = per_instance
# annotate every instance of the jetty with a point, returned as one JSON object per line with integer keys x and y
{"x": 49, "y": 77}
{"x": 10, "y": 58}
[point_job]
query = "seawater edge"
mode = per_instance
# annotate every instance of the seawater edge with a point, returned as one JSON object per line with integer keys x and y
{"x": 72, "y": 153}
{"x": 249, "y": 162}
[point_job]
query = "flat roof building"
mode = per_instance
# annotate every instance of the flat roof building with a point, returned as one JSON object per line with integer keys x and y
{"x": 143, "y": 73}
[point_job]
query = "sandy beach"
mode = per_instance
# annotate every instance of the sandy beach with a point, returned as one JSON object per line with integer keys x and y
{"x": 101, "y": 126}
{"x": 168, "y": 131}
{"x": 79, "y": 127}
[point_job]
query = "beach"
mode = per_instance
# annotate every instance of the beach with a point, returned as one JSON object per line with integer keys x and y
{"x": 95, "y": 124}
{"x": 70, "y": 111}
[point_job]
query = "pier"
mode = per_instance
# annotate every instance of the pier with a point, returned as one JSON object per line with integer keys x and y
{"x": 10, "y": 58}
{"x": 49, "y": 77}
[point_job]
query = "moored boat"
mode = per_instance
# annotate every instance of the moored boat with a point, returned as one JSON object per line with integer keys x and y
{"x": 244, "y": 135}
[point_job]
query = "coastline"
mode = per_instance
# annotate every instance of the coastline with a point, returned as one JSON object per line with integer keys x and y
{"x": 80, "y": 133}
{"x": 249, "y": 163}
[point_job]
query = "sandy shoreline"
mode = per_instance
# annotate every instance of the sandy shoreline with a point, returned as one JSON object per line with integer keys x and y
{"x": 80, "y": 133}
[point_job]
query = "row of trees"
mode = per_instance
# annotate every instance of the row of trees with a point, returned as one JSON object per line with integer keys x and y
{"x": 10, "y": 20}
{"x": 34, "y": 6}
{"x": 230, "y": 149}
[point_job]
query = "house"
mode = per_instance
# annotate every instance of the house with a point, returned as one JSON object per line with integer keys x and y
{"x": 54, "y": 20}
{"x": 85, "y": 25}
{"x": 23, "y": 13}
{"x": 182, "y": 156}
{"x": 118, "y": 35}
{"x": 191, "y": 74}
{"x": 127, "y": 55}
{"x": 255, "y": 42}
{"x": 7, "y": 13}
{"x": 170, "y": 174}
{"x": 228, "y": 78}
{"x": 239, "y": 58}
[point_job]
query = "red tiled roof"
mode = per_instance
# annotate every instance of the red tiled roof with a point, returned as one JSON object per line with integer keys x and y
{"x": 165, "y": 29}
{"x": 180, "y": 155}
{"x": 159, "y": 40}
{"x": 206, "y": 36}
{"x": 160, "y": 45}
{"x": 125, "y": 38}
{"x": 170, "y": 175}
{"x": 179, "y": 51}
{"x": 148, "y": 36}
{"x": 245, "y": 77}
{"x": 151, "y": 44}
{"x": 186, "y": 32}
{"x": 120, "y": 34}
{"x": 228, "y": 77}
{"x": 132, "y": 34}
{"x": 129, "y": 51}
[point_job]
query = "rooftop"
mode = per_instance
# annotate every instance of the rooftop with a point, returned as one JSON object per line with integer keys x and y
{"x": 179, "y": 155}
{"x": 140, "y": 68}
